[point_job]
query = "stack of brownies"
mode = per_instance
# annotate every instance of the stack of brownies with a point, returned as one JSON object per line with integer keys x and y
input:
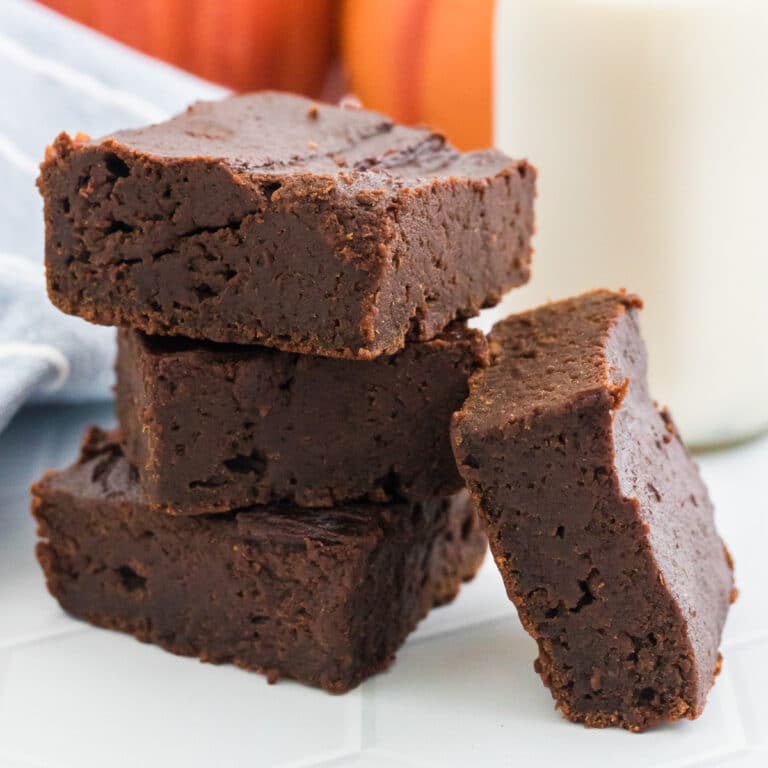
{"x": 295, "y": 378}
{"x": 291, "y": 281}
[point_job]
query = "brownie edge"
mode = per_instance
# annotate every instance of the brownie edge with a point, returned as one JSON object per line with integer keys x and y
{"x": 270, "y": 219}
{"x": 597, "y": 517}
{"x": 322, "y": 596}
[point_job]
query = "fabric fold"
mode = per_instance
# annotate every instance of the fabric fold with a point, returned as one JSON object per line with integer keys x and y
{"x": 60, "y": 76}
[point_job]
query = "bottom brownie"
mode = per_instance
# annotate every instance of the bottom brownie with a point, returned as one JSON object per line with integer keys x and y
{"x": 321, "y": 596}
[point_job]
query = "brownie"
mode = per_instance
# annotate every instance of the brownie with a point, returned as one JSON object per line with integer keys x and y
{"x": 270, "y": 219}
{"x": 597, "y": 517}
{"x": 322, "y": 596}
{"x": 215, "y": 427}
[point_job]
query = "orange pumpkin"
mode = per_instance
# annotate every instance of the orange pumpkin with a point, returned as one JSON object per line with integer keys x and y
{"x": 424, "y": 61}
{"x": 244, "y": 44}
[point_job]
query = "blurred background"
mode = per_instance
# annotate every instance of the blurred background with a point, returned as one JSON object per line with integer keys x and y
{"x": 646, "y": 118}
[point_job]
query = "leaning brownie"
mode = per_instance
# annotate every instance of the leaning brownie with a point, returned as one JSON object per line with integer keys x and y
{"x": 215, "y": 427}
{"x": 270, "y": 219}
{"x": 597, "y": 517}
{"x": 325, "y": 597}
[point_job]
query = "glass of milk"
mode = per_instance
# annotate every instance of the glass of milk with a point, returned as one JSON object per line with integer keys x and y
{"x": 648, "y": 121}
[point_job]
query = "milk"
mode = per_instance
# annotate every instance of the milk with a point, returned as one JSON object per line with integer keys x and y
{"x": 648, "y": 121}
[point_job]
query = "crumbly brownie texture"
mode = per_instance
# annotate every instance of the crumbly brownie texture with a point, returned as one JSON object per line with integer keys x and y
{"x": 597, "y": 517}
{"x": 325, "y": 597}
{"x": 216, "y": 427}
{"x": 270, "y": 219}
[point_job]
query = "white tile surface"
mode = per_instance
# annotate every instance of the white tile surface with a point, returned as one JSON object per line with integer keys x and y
{"x": 748, "y": 668}
{"x": 748, "y": 758}
{"x": 463, "y": 691}
{"x": 474, "y": 692}
{"x": 102, "y": 690}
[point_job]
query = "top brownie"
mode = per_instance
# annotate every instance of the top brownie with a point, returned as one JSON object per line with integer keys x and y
{"x": 268, "y": 218}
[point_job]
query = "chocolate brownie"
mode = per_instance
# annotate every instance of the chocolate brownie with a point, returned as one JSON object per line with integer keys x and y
{"x": 325, "y": 597}
{"x": 270, "y": 219}
{"x": 597, "y": 517}
{"x": 215, "y": 427}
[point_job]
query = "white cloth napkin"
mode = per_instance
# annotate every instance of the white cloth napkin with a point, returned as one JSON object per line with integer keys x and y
{"x": 57, "y": 75}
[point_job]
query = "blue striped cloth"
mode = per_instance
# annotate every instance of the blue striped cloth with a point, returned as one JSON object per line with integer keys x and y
{"x": 57, "y": 75}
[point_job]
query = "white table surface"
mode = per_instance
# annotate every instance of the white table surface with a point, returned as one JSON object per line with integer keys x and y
{"x": 462, "y": 691}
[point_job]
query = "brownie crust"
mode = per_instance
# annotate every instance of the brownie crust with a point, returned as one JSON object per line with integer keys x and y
{"x": 324, "y": 597}
{"x": 597, "y": 517}
{"x": 212, "y": 428}
{"x": 270, "y": 219}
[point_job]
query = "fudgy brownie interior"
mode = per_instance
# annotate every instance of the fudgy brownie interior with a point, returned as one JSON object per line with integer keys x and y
{"x": 216, "y": 427}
